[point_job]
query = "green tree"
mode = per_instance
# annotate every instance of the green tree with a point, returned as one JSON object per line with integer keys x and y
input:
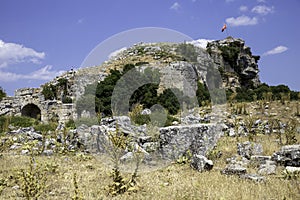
{"x": 104, "y": 92}
{"x": 169, "y": 101}
{"x": 2, "y": 93}
{"x": 202, "y": 93}
{"x": 49, "y": 91}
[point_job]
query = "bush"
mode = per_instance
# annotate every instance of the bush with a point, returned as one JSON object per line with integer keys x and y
{"x": 67, "y": 100}
{"x": 202, "y": 93}
{"x": 21, "y": 121}
{"x": 170, "y": 101}
{"x": 2, "y": 93}
{"x": 44, "y": 128}
{"x": 70, "y": 124}
{"x": 49, "y": 91}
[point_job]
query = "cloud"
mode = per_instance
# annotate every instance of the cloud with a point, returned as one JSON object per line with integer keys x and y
{"x": 243, "y": 8}
{"x": 242, "y": 21}
{"x": 46, "y": 73}
{"x": 261, "y": 1}
{"x": 12, "y": 53}
{"x": 276, "y": 50}
{"x": 200, "y": 43}
{"x": 263, "y": 10}
{"x": 175, "y": 6}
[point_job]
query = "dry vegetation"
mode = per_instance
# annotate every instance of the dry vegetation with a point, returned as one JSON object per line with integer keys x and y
{"x": 83, "y": 176}
{"x": 173, "y": 182}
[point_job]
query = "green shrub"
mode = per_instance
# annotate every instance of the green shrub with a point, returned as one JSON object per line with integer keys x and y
{"x": 49, "y": 91}
{"x": 44, "y": 128}
{"x": 70, "y": 124}
{"x": 2, "y": 93}
{"x": 21, "y": 121}
{"x": 67, "y": 100}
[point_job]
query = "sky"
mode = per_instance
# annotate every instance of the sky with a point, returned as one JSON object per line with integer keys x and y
{"x": 41, "y": 39}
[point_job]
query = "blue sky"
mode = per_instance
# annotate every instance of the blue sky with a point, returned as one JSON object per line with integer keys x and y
{"x": 41, "y": 39}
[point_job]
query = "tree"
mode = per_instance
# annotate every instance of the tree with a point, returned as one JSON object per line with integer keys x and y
{"x": 2, "y": 93}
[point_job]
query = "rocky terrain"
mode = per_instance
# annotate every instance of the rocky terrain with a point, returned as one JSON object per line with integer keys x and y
{"x": 252, "y": 144}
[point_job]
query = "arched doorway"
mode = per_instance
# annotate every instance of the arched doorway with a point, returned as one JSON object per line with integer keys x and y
{"x": 31, "y": 110}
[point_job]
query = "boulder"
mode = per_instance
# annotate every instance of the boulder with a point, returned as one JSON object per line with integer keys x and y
{"x": 288, "y": 155}
{"x": 234, "y": 170}
{"x": 198, "y": 138}
{"x": 201, "y": 163}
{"x": 247, "y": 149}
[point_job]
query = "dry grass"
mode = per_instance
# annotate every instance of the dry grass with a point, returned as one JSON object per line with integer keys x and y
{"x": 172, "y": 182}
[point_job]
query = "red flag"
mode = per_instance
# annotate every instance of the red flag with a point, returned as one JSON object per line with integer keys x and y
{"x": 224, "y": 27}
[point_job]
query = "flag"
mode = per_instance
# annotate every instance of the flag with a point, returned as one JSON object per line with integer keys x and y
{"x": 224, "y": 27}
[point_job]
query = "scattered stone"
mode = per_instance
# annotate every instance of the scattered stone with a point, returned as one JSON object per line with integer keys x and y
{"x": 15, "y": 146}
{"x": 48, "y": 152}
{"x": 259, "y": 160}
{"x": 24, "y": 151}
{"x": 268, "y": 168}
{"x": 253, "y": 177}
{"x": 234, "y": 170}
{"x": 288, "y": 155}
{"x": 292, "y": 170}
{"x": 201, "y": 163}
{"x": 238, "y": 160}
{"x": 232, "y": 132}
{"x": 247, "y": 149}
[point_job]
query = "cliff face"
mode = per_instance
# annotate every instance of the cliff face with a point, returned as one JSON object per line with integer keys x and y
{"x": 235, "y": 62}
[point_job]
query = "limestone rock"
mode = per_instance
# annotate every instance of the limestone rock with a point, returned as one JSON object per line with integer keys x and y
{"x": 201, "y": 163}
{"x": 247, "y": 149}
{"x": 198, "y": 138}
{"x": 253, "y": 177}
{"x": 288, "y": 155}
{"x": 234, "y": 170}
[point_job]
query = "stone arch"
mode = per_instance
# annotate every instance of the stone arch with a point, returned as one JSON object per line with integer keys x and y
{"x": 31, "y": 110}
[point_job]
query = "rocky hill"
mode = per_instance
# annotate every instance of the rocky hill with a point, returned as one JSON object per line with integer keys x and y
{"x": 180, "y": 66}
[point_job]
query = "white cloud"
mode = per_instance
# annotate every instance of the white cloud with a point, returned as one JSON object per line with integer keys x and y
{"x": 46, "y": 73}
{"x": 243, "y": 8}
{"x": 276, "y": 50}
{"x": 261, "y": 1}
{"x": 175, "y": 6}
{"x": 11, "y": 53}
{"x": 200, "y": 43}
{"x": 115, "y": 53}
{"x": 242, "y": 21}
{"x": 263, "y": 10}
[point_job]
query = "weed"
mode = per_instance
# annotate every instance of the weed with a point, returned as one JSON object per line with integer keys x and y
{"x": 184, "y": 159}
{"x": 32, "y": 181}
{"x": 290, "y": 131}
{"x": 77, "y": 192}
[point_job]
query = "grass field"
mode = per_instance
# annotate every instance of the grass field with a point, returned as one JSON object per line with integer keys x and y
{"x": 176, "y": 181}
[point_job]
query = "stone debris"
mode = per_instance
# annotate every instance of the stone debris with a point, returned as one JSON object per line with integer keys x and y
{"x": 201, "y": 163}
{"x": 234, "y": 169}
{"x": 288, "y": 155}
{"x": 253, "y": 177}
{"x": 247, "y": 149}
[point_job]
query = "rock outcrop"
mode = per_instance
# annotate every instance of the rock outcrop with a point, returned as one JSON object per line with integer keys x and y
{"x": 235, "y": 61}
